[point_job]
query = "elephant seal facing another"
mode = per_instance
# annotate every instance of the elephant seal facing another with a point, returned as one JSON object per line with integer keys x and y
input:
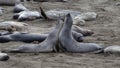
{"x": 68, "y": 44}
{"x": 48, "y": 45}
{"x": 3, "y": 57}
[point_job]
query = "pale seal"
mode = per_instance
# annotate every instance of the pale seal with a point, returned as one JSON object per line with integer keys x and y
{"x": 5, "y": 25}
{"x": 27, "y": 15}
{"x": 19, "y": 7}
{"x": 3, "y": 57}
{"x": 85, "y": 32}
{"x": 115, "y": 49}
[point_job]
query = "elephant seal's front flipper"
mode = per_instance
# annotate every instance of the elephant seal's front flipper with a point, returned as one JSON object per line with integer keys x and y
{"x": 69, "y": 44}
{"x": 47, "y": 45}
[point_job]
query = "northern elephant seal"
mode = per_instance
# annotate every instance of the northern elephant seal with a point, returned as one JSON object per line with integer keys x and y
{"x": 9, "y": 2}
{"x": 3, "y": 57}
{"x": 67, "y": 42}
{"x": 27, "y": 15}
{"x": 19, "y": 7}
{"x": 6, "y": 25}
{"x": 23, "y": 37}
{"x": 56, "y": 13}
{"x": 83, "y": 17}
{"x": 115, "y": 49}
{"x": 1, "y": 11}
{"x": 85, "y": 32}
{"x": 48, "y": 45}
{"x": 31, "y": 37}
{"x": 78, "y": 17}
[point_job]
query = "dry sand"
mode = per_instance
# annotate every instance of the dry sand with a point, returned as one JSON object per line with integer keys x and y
{"x": 106, "y": 28}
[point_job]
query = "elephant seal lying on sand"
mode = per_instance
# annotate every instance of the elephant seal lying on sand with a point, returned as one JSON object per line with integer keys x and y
{"x": 115, "y": 49}
{"x": 3, "y": 57}
{"x": 5, "y": 25}
{"x": 19, "y": 7}
{"x": 9, "y": 2}
{"x": 78, "y": 17}
{"x": 31, "y": 37}
{"x": 27, "y": 15}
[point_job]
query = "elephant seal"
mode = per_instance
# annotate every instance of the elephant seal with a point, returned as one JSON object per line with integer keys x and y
{"x": 31, "y": 37}
{"x": 85, "y": 32}
{"x": 9, "y": 2}
{"x": 19, "y": 7}
{"x": 27, "y": 15}
{"x": 68, "y": 44}
{"x": 9, "y": 25}
{"x": 23, "y": 37}
{"x": 3, "y": 57}
{"x": 115, "y": 49}
{"x": 1, "y": 11}
{"x": 56, "y": 13}
{"x": 48, "y": 45}
{"x": 78, "y": 17}
{"x": 83, "y": 17}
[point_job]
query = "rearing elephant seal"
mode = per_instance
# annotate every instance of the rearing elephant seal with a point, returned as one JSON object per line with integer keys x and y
{"x": 48, "y": 45}
{"x": 67, "y": 42}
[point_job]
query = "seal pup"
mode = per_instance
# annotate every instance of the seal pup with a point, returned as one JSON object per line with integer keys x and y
{"x": 9, "y": 25}
{"x": 68, "y": 44}
{"x": 27, "y": 15}
{"x": 3, "y": 57}
{"x": 85, "y": 32}
{"x": 48, "y": 45}
{"x": 19, "y": 7}
{"x": 115, "y": 49}
{"x": 1, "y": 11}
{"x": 9, "y": 2}
{"x": 83, "y": 17}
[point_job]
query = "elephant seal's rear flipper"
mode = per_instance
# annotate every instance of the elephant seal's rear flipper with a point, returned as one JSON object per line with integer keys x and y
{"x": 47, "y": 45}
{"x": 43, "y": 13}
{"x": 69, "y": 44}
